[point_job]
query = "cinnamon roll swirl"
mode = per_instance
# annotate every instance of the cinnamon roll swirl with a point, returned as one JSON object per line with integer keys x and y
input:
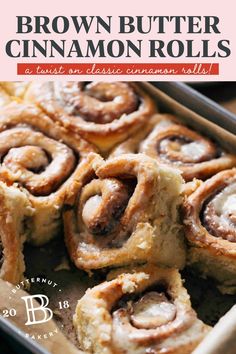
{"x": 172, "y": 143}
{"x": 103, "y": 113}
{"x": 146, "y": 310}
{"x": 122, "y": 211}
{"x": 40, "y": 156}
{"x": 210, "y": 225}
{"x": 15, "y": 209}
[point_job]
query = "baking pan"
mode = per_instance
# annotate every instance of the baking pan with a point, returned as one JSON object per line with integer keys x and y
{"x": 51, "y": 261}
{"x": 199, "y": 104}
{"x": 16, "y": 342}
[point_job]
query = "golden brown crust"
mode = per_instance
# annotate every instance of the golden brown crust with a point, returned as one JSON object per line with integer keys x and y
{"x": 117, "y": 316}
{"x": 14, "y": 210}
{"x": 103, "y": 113}
{"x": 169, "y": 142}
{"x": 113, "y": 214}
{"x": 15, "y": 89}
{"x": 209, "y": 217}
{"x": 42, "y": 158}
{"x": 4, "y": 97}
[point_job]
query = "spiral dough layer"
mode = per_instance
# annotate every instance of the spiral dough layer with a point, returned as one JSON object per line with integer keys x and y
{"x": 116, "y": 211}
{"x": 15, "y": 210}
{"x": 210, "y": 224}
{"x": 145, "y": 310}
{"x": 103, "y": 113}
{"x": 171, "y": 143}
{"x": 42, "y": 158}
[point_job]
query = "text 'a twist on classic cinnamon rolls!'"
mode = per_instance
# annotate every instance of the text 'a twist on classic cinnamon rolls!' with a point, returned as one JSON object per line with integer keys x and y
{"x": 168, "y": 141}
{"x": 42, "y": 158}
{"x": 210, "y": 226}
{"x": 146, "y": 310}
{"x": 14, "y": 211}
{"x": 103, "y": 113}
{"x": 124, "y": 210}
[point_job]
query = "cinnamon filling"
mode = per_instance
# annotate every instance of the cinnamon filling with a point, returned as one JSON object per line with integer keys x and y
{"x": 152, "y": 310}
{"x": 102, "y": 205}
{"x": 39, "y": 163}
{"x": 219, "y": 214}
{"x": 185, "y": 150}
{"x": 33, "y": 158}
{"x": 149, "y": 310}
{"x": 104, "y": 102}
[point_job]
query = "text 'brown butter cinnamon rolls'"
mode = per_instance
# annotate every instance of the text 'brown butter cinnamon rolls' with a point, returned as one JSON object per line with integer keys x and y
{"x": 210, "y": 224}
{"x": 15, "y": 209}
{"x": 172, "y": 143}
{"x": 122, "y": 211}
{"x": 103, "y": 113}
{"x": 42, "y": 158}
{"x": 146, "y": 310}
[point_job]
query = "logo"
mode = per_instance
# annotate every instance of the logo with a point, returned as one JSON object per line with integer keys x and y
{"x": 31, "y": 309}
{"x": 36, "y": 308}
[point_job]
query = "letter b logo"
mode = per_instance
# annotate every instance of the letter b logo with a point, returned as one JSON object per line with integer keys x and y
{"x": 37, "y": 314}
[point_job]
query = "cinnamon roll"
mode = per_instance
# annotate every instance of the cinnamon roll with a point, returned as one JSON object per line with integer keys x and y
{"x": 15, "y": 209}
{"x": 146, "y": 310}
{"x": 39, "y": 155}
{"x": 172, "y": 143}
{"x": 15, "y": 88}
{"x": 4, "y": 97}
{"x": 122, "y": 211}
{"x": 103, "y": 113}
{"x": 210, "y": 226}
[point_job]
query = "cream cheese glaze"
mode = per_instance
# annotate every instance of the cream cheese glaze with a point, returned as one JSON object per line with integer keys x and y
{"x": 104, "y": 113}
{"x": 122, "y": 211}
{"x": 152, "y": 310}
{"x": 41, "y": 158}
{"x": 169, "y": 142}
{"x": 138, "y": 310}
{"x": 209, "y": 215}
{"x": 220, "y": 214}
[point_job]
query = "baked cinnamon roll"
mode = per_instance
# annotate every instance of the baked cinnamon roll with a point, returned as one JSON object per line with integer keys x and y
{"x": 103, "y": 113}
{"x": 146, "y": 310}
{"x": 40, "y": 156}
{"x": 15, "y": 88}
{"x": 122, "y": 211}
{"x": 210, "y": 225}
{"x": 15, "y": 209}
{"x": 172, "y": 143}
{"x": 4, "y": 97}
